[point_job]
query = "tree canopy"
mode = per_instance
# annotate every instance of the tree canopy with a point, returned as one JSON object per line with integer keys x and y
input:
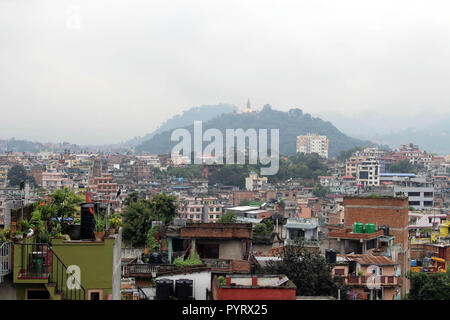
{"x": 307, "y": 269}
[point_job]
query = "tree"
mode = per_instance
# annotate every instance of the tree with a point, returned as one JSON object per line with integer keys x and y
{"x": 165, "y": 207}
{"x": 139, "y": 215}
{"x": 435, "y": 286}
{"x": 307, "y": 269}
{"x": 64, "y": 205}
{"x": 229, "y": 217}
{"x": 403, "y": 166}
{"x": 137, "y": 221}
{"x": 320, "y": 191}
{"x": 16, "y": 174}
{"x": 244, "y": 202}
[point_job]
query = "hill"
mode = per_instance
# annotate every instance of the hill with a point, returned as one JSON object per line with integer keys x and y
{"x": 291, "y": 124}
{"x": 202, "y": 113}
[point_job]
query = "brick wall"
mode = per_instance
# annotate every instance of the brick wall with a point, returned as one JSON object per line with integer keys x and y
{"x": 392, "y": 212}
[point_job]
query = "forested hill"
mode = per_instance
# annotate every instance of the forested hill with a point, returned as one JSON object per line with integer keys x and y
{"x": 291, "y": 124}
{"x": 202, "y": 113}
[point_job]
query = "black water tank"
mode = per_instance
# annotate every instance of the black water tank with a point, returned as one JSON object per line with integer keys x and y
{"x": 385, "y": 229}
{"x": 87, "y": 221}
{"x": 155, "y": 257}
{"x": 330, "y": 255}
{"x": 184, "y": 289}
{"x": 164, "y": 289}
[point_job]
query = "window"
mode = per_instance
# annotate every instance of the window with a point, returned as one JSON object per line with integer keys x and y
{"x": 95, "y": 294}
{"x": 208, "y": 251}
{"x": 37, "y": 294}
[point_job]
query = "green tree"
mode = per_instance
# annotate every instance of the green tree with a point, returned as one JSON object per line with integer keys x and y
{"x": 165, "y": 207}
{"x": 320, "y": 191}
{"x": 139, "y": 215}
{"x": 309, "y": 271}
{"x": 229, "y": 217}
{"x": 137, "y": 221}
{"x": 403, "y": 166}
{"x": 434, "y": 286}
{"x": 244, "y": 202}
{"x": 16, "y": 174}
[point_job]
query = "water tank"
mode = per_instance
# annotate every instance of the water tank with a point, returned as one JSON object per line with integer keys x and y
{"x": 330, "y": 255}
{"x": 184, "y": 289}
{"x": 358, "y": 227}
{"x": 87, "y": 221}
{"x": 164, "y": 289}
{"x": 155, "y": 258}
{"x": 385, "y": 230}
{"x": 370, "y": 228}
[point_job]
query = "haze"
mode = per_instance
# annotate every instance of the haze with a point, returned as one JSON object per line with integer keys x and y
{"x": 118, "y": 69}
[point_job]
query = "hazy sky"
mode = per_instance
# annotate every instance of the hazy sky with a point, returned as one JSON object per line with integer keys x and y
{"x": 103, "y": 71}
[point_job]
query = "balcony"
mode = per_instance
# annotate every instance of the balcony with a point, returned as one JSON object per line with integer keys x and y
{"x": 365, "y": 280}
{"x": 142, "y": 270}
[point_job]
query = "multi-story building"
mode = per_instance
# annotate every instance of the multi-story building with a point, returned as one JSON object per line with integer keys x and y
{"x": 313, "y": 143}
{"x": 368, "y": 173}
{"x": 254, "y": 183}
{"x": 198, "y": 209}
{"x": 419, "y": 190}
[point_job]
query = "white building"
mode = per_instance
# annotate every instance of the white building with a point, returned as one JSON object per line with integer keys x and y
{"x": 254, "y": 183}
{"x": 368, "y": 173}
{"x": 313, "y": 143}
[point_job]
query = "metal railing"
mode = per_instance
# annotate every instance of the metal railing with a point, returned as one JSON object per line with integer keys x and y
{"x": 39, "y": 261}
{"x": 218, "y": 264}
{"x": 142, "y": 295}
{"x": 5, "y": 259}
{"x": 142, "y": 268}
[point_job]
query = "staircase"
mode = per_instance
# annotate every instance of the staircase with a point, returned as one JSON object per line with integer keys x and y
{"x": 40, "y": 262}
{"x": 5, "y": 259}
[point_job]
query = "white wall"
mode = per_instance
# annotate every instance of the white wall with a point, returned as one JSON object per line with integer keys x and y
{"x": 202, "y": 281}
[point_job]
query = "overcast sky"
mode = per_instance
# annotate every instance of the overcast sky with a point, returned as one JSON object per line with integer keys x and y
{"x": 104, "y": 71}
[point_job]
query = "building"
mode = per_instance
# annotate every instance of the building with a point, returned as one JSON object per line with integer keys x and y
{"x": 313, "y": 143}
{"x": 384, "y": 211}
{"x": 252, "y": 287}
{"x": 40, "y": 270}
{"x": 306, "y": 229}
{"x": 224, "y": 247}
{"x": 368, "y": 173}
{"x": 370, "y": 277}
{"x": 255, "y": 183}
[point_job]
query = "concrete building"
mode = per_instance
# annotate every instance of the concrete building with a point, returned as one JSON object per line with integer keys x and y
{"x": 385, "y": 211}
{"x": 368, "y": 173}
{"x": 252, "y": 287}
{"x": 313, "y": 143}
{"x": 255, "y": 183}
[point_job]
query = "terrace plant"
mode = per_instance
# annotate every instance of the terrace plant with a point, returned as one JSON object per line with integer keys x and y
{"x": 99, "y": 228}
{"x": 192, "y": 260}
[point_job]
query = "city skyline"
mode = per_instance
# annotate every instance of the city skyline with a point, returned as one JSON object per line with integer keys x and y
{"x": 102, "y": 73}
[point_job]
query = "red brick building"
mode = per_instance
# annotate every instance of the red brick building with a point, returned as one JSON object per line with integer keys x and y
{"x": 248, "y": 287}
{"x": 388, "y": 211}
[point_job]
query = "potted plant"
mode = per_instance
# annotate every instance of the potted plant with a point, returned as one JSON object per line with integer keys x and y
{"x": 114, "y": 224}
{"x": 99, "y": 230}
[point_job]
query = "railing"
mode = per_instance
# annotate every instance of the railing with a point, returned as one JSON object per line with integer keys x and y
{"x": 142, "y": 295}
{"x": 218, "y": 264}
{"x": 142, "y": 268}
{"x": 364, "y": 280}
{"x": 39, "y": 261}
{"x": 5, "y": 259}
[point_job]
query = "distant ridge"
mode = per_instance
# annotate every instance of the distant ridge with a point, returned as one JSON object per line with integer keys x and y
{"x": 201, "y": 113}
{"x": 291, "y": 124}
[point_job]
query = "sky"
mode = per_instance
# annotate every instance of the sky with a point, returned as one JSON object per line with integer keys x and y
{"x": 104, "y": 71}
